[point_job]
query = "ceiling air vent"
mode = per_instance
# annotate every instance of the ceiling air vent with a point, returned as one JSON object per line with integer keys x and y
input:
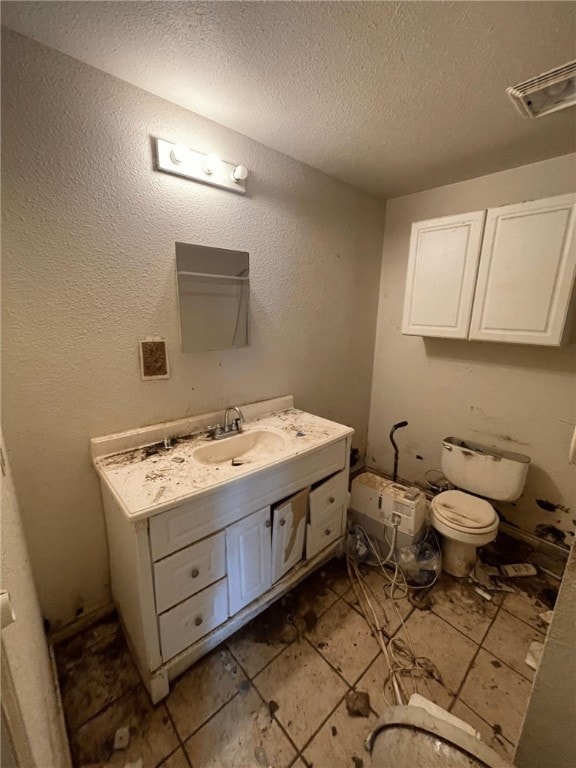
{"x": 547, "y": 92}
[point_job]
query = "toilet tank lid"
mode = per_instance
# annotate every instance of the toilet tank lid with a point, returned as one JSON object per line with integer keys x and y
{"x": 468, "y": 445}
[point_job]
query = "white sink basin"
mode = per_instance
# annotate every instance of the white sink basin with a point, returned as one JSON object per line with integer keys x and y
{"x": 247, "y": 447}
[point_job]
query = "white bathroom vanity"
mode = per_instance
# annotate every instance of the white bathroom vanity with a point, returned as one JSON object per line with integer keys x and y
{"x": 204, "y": 534}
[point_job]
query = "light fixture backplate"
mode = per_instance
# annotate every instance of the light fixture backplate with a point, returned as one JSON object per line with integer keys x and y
{"x": 192, "y": 167}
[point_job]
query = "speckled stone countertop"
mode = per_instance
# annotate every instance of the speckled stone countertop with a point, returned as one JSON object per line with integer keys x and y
{"x": 151, "y": 478}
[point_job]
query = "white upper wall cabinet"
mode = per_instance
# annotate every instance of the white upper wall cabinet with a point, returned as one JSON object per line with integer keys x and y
{"x": 526, "y": 272}
{"x": 505, "y": 276}
{"x": 441, "y": 275}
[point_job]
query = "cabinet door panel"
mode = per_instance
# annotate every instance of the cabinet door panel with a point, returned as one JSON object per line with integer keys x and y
{"x": 249, "y": 558}
{"x": 442, "y": 269}
{"x": 288, "y": 532}
{"x": 526, "y": 272}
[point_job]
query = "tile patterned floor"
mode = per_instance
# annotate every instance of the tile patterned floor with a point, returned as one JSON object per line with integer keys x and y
{"x": 274, "y": 694}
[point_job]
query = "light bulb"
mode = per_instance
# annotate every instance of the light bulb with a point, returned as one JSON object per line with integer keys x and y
{"x": 557, "y": 88}
{"x": 179, "y": 153}
{"x": 239, "y": 173}
{"x": 210, "y": 164}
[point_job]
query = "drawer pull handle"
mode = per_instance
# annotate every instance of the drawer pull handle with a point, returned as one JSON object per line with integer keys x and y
{"x": 195, "y": 573}
{"x": 268, "y": 523}
{"x": 283, "y": 522}
{"x": 331, "y": 499}
{"x": 327, "y": 531}
{"x": 198, "y": 621}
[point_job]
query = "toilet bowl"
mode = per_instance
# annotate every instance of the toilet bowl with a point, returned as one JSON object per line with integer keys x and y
{"x": 465, "y": 523}
{"x": 422, "y": 734}
{"x": 463, "y": 520}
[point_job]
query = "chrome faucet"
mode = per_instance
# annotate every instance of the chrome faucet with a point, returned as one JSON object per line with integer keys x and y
{"x": 236, "y": 425}
{"x": 231, "y": 426}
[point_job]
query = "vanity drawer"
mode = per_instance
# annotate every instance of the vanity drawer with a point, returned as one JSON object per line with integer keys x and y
{"x": 323, "y": 534}
{"x": 183, "y": 625}
{"x": 189, "y": 571}
{"x": 327, "y": 497}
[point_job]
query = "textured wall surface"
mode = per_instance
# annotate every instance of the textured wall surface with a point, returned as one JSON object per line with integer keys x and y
{"x": 24, "y": 647}
{"x": 89, "y": 269}
{"x": 548, "y": 738}
{"x": 513, "y": 397}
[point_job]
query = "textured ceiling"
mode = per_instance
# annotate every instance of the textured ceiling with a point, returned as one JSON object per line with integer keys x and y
{"x": 391, "y": 97}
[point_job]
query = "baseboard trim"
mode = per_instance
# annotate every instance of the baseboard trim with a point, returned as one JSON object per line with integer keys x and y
{"x": 63, "y": 733}
{"x": 80, "y": 624}
{"x": 548, "y": 547}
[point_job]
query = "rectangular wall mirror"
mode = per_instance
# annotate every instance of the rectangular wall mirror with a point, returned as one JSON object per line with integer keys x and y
{"x": 213, "y": 297}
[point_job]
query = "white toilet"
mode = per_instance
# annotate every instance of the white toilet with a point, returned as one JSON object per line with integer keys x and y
{"x": 423, "y": 735}
{"x": 465, "y": 521}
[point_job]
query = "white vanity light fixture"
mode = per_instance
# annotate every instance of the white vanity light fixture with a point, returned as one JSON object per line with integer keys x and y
{"x": 210, "y": 164}
{"x": 240, "y": 173}
{"x": 205, "y": 168}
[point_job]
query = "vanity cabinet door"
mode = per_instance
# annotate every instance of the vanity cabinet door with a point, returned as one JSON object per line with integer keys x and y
{"x": 249, "y": 559}
{"x": 442, "y": 267}
{"x": 288, "y": 532}
{"x": 526, "y": 272}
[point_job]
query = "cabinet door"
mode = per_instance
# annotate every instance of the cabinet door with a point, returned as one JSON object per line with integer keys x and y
{"x": 442, "y": 267}
{"x": 249, "y": 559}
{"x": 526, "y": 272}
{"x": 288, "y": 532}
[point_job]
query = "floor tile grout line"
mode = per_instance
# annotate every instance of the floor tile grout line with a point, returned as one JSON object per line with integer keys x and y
{"x": 266, "y": 703}
{"x": 487, "y": 650}
{"x": 138, "y": 685}
{"x": 205, "y": 722}
{"x": 322, "y": 724}
{"x": 180, "y": 740}
{"x": 171, "y": 754}
{"x": 280, "y": 652}
{"x": 413, "y": 608}
{"x": 508, "y": 665}
{"x": 483, "y": 720}
{"x": 474, "y": 657}
{"x": 227, "y": 643}
{"x": 283, "y": 728}
{"x": 303, "y": 636}
{"x": 511, "y": 613}
{"x": 334, "y": 669}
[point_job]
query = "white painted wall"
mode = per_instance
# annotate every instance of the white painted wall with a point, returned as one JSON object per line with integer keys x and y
{"x": 89, "y": 269}
{"x": 25, "y": 658}
{"x": 548, "y": 738}
{"x": 520, "y": 398}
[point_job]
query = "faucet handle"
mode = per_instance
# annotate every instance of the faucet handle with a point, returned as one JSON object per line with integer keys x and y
{"x": 215, "y": 430}
{"x": 237, "y": 423}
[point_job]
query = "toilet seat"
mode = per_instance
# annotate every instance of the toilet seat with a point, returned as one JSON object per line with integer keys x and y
{"x": 463, "y": 517}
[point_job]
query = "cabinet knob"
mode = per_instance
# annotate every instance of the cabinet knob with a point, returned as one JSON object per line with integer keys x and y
{"x": 198, "y": 621}
{"x": 331, "y": 499}
{"x": 268, "y": 523}
{"x": 195, "y": 573}
{"x": 283, "y": 522}
{"x": 327, "y": 531}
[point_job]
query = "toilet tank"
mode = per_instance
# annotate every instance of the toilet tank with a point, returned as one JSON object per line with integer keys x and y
{"x": 488, "y": 472}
